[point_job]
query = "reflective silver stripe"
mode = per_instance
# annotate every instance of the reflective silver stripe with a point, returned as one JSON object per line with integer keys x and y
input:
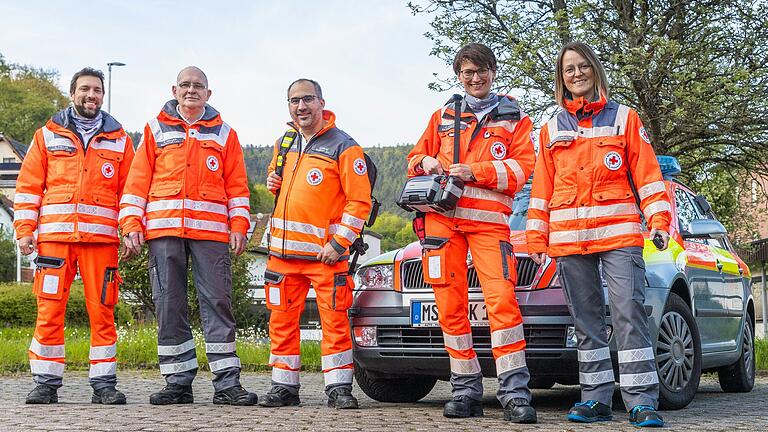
{"x": 507, "y": 336}
{"x": 332, "y": 228}
{"x": 102, "y": 369}
{"x": 95, "y": 210}
{"x": 169, "y": 350}
{"x": 593, "y": 212}
{"x": 593, "y": 378}
{"x": 219, "y": 138}
{"x": 134, "y": 200}
{"x": 240, "y": 212}
{"x": 46, "y": 350}
{"x": 283, "y": 376}
{"x": 346, "y": 233}
{"x": 103, "y": 352}
{"x": 511, "y": 361}
{"x": 556, "y": 237}
{"x": 299, "y": 227}
{"x": 536, "y": 225}
{"x": 223, "y": 347}
{"x": 458, "y": 342}
{"x": 338, "y": 376}
{"x": 657, "y": 207}
{"x": 539, "y": 204}
{"x": 172, "y": 368}
{"x": 116, "y": 146}
{"x": 205, "y": 225}
{"x": 502, "y": 182}
{"x": 292, "y": 361}
{"x": 519, "y": 175}
{"x": 205, "y": 206}
{"x": 238, "y": 202}
{"x": 161, "y": 205}
{"x": 487, "y": 194}
{"x": 638, "y": 379}
{"x": 597, "y": 132}
{"x": 56, "y": 143}
{"x": 636, "y": 355}
{"x": 465, "y": 367}
{"x": 622, "y": 115}
{"x": 130, "y": 211}
{"x": 50, "y": 209}
{"x": 23, "y": 198}
{"x": 228, "y": 362}
{"x": 293, "y": 245}
{"x": 97, "y": 229}
{"x": 594, "y": 355}
{"x": 336, "y": 360}
{"x": 506, "y": 124}
{"x": 650, "y": 189}
{"x": 480, "y": 215}
{"x": 355, "y": 222}
{"x": 163, "y": 223}
{"x": 161, "y": 136}
{"x": 56, "y": 227}
{"x": 46, "y": 367}
{"x": 25, "y": 215}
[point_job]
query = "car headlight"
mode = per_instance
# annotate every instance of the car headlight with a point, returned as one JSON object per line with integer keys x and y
{"x": 376, "y": 277}
{"x": 365, "y": 336}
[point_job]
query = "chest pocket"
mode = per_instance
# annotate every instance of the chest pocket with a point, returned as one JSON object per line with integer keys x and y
{"x": 566, "y": 160}
{"x": 62, "y": 159}
{"x": 170, "y": 162}
{"x": 610, "y": 173}
{"x": 211, "y": 172}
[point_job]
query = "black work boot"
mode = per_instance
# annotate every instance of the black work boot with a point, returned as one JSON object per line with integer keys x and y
{"x": 108, "y": 396}
{"x": 341, "y": 398}
{"x": 589, "y": 412}
{"x": 172, "y": 394}
{"x": 645, "y": 416}
{"x": 519, "y": 410}
{"x": 236, "y": 395}
{"x": 463, "y": 407}
{"x": 42, "y": 394}
{"x": 279, "y": 396}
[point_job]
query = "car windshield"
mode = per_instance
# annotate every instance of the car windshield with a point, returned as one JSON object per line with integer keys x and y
{"x": 520, "y": 209}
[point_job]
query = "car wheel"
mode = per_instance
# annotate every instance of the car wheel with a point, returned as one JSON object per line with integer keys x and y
{"x": 394, "y": 389}
{"x": 740, "y": 376}
{"x": 678, "y": 355}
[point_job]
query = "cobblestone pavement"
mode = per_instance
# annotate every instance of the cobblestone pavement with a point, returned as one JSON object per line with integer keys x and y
{"x": 711, "y": 410}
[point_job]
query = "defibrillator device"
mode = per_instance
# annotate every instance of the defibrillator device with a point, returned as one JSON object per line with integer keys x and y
{"x": 436, "y": 193}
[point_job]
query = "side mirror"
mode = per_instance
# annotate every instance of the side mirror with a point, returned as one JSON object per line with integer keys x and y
{"x": 703, "y": 204}
{"x": 704, "y": 228}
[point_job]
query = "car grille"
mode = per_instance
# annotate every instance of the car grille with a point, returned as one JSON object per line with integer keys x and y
{"x": 412, "y": 274}
{"x": 415, "y": 338}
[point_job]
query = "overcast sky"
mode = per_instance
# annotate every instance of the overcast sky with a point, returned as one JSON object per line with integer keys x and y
{"x": 370, "y": 56}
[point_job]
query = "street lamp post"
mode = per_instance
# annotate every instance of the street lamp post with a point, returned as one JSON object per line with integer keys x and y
{"x": 109, "y": 84}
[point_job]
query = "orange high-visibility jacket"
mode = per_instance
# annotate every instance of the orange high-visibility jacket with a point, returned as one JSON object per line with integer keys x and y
{"x": 500, "y": 152}
{"x": 68, "y": 193}
{"x": 325, "y": 196}
{"x": 581, "y": 199}
{"x": 187, "y": 180}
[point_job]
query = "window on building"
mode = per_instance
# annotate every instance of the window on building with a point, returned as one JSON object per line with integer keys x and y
{"x": 9, "y": 160}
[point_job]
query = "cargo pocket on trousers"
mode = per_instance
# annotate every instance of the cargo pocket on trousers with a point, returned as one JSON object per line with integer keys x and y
{"x": 154, "y": 280}
{"x": 433, "y": 260}
{"x": 342, "y": 291}
{"x": 274, "y": 288}
{"x": 110, "y": 287}
{"x": 49, "y": 278}
{"x": 508, "y": 261}
{"x": 638, "y": 277}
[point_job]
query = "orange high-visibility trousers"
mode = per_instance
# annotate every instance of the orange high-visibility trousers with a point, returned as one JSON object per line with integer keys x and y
{"x": 58, "y": 264}
{"x": 287, "y": 283}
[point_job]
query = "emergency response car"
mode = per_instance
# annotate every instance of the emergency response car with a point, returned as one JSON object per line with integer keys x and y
{"x": 698, "y": 300}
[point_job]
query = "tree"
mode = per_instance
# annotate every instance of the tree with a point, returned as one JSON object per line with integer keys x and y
{"x": 395, "y": 231}
{"x": 261, "y": 199}
{"x": 7, "y": 256}
{"x": 28, "y": 98}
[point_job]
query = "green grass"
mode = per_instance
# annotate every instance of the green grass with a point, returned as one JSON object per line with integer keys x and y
{"x": 761, "y": 354}
{"x": 137, "y": 349}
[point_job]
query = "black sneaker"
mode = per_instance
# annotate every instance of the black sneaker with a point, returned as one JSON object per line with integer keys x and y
{"x": 236, "y": 395}
{"x": 279, "y": 396}
{"x": 341, "y": 398}
{"x": 645, "y": 416}
{"x": 42, "y": 394}
{"x": 589, "y": 412}
{"x": 108, "y": 396}
{"x": 519, "y": 410}
{"x": 463, "y": 407}
{"x": 172, "y": 394}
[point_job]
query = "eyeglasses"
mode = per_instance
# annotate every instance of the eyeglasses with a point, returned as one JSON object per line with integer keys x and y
{"x": 571, "y": 70}
{"x": 186, "y": 84}
{"x": 308, "y": 99}
{"x": 469, "y": 73}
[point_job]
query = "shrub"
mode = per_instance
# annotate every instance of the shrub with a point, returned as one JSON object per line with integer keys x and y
{"x": 7, "y": 256}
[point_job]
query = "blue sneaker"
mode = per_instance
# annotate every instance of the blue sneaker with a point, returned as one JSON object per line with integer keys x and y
{"x": 645, "y": 416}
{"x": 589, "y": 412}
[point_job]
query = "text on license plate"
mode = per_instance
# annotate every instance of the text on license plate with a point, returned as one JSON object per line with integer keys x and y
{"x": 424, "y": 314}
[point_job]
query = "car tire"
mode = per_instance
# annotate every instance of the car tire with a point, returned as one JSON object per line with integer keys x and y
{"x": 740, "y": 376}
{"x": 678, "y": 355}
{"x": 410, "y": 388}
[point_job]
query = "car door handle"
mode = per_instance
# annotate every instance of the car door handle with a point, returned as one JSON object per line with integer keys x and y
{"x": 719, "y": 266}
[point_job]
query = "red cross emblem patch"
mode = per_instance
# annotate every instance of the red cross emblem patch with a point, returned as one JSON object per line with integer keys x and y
{"x": 359, "y": 166}
{"x": 108, "y": 170}
{"x": 644, "y": 135}
{"x": 314, "y": 176}
{"x": 212, "y": 163}
{"x": 498, "y": 150}
{"x": 612, "y": 161}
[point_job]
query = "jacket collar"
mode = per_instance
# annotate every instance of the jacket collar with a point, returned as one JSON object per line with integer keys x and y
{"x": 211, "y": 115}
{"x": 329, "y": 118}
{"x": 507, "y": 109}
{"x": 581, "y": 107}
{"x": 109, "y": 124}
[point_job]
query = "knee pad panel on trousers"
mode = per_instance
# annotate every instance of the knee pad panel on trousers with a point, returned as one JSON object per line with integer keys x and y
{"x": 50, "y": 278}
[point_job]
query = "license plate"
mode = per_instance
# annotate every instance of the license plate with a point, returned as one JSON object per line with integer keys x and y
{"x": 424, "y": 314}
